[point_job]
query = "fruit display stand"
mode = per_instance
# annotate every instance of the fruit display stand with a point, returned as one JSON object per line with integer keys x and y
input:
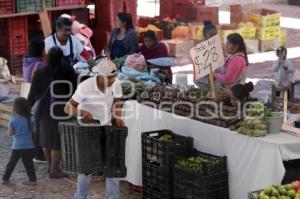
{"x": 252, "y": 163}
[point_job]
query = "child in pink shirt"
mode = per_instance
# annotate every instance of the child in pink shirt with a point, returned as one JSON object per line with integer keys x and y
{"x": 235, "y": 66}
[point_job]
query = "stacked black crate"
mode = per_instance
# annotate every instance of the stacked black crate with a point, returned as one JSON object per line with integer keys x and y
{"x": 160, "y": 150}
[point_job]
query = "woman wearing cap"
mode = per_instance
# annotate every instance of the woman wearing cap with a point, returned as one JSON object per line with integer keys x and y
{"x": 123, "y": 40}
{"x": 97, "y": 99}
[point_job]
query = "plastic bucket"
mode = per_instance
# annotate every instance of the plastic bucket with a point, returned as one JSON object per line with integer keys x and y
{"x": 275, "y": 122}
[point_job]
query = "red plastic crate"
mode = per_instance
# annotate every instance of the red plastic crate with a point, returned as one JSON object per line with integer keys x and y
{"x": 145, "y": 21}
{"x": 235, "y": 13}
{"x": 14, "y": 36}
{"x": 15, "y": 64}
{"x": 7, "y": 7}
{"x": 128, "y": 6}
{"x": 166, "y": 8}
{"x": 208, "y": 13}
{"x": 82, "y": 15}
{"x": 184, "y": 11}
{"x": 62, "y": 3}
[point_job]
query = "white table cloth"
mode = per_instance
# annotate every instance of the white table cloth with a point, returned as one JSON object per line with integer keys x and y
{"x": 252, "y": 163}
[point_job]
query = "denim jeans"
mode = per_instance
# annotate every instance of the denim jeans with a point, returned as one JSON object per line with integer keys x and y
{"x": 83, "y": 185}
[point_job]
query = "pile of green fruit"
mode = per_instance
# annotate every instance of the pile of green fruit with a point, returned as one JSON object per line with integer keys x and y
{"x": 277, "y": 192}
{"x": 255, "y": 124}
{"x": 195, "y": 164}
{"x": 253, "y": 127}
{"x": 258, "y": 109}
{"x": 166, "y": 138}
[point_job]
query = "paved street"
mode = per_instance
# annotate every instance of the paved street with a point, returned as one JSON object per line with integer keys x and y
{"x": 47, "y": 188}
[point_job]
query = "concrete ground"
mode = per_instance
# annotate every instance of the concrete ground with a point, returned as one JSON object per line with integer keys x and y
{"x": 47, "y": 188}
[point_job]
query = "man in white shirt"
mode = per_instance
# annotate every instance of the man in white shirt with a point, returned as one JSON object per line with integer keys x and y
{"x": 70, "y": 45}
{"x": 94, "y": 100}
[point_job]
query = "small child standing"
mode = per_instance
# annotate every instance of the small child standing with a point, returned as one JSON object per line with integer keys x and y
{"x": 21, "y": 128}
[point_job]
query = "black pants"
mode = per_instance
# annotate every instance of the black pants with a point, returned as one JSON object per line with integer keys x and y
{"x": 27, "y": 156}
{"x": 38, "y": 153}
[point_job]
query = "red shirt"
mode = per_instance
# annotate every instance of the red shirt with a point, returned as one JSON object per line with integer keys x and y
{"x": 160, "y": 50}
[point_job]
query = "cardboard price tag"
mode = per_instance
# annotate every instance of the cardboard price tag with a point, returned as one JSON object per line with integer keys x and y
{"x": 207, "y": 56}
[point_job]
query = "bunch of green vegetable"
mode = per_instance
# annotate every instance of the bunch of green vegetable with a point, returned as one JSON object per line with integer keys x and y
{"x": 133, "y": 91}
{"x": 120, "y": 61}
{"x": 256, "y": 109}
{"x": 165, "y": 138}
{"x": 253, "y": 127}
{"x": 195, "y": 164}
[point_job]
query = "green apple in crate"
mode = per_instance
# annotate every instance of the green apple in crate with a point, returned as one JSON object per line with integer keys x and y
{"x": 289, "y": 191}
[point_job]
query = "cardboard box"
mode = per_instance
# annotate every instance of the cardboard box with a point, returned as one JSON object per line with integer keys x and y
{"x": 196, "y": 30}
{"x": 227, "y": 30}
{"x": 283, "y": 36}
{"x": 268, "y": 33}
{"x": 179, "y": 48}
{"x": 269, "y": 45}
{"x": 252, "y": 45}
{"x": 265, "y": 17}
{"x": 248, "y": 32}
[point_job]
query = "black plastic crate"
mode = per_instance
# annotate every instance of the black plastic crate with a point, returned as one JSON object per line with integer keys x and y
{"x": 115, "y": 151}
{"x": 164, "y": 153}
{"x": 149, "y": 193}
{"x": 157, "y": 177}
{"x": 215, "y": 164}
{"x": 211, "y": 184}
{"x": 81, "y": 147}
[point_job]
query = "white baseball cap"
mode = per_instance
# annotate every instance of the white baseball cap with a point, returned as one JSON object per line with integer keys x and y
{"x": 105, "y": 68}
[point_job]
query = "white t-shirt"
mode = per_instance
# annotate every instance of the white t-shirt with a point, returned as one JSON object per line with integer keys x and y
{"x": 99, "y": 104}
{"x": 77, "y": 47}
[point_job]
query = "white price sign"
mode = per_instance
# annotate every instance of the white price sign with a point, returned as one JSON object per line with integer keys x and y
{"x": 207, "y": 55}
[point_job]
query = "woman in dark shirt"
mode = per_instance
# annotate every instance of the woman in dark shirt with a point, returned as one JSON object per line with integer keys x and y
{"x": 52, "y": 105}
{"x": 153, "y": 49}
{"x": 123, "y": 40}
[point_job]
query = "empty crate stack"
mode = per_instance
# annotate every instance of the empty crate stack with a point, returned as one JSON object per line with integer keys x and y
{"x": 28, "y": 5}
{"x": 14, "y": 40}
{"x": 160, "y": 150}
{"x": 7, "y": 7}
{"x": 81, "y": 147}
{"x": 16, "y": 30}
{"x": 63, "y": 3}
{"x": 115, "y": 143}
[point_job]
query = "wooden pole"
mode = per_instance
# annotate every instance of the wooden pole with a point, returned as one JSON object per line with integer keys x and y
{"x": 285, "y": 105}
{"x": 45, "y": 22}
{"x": 212, "y": 84}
